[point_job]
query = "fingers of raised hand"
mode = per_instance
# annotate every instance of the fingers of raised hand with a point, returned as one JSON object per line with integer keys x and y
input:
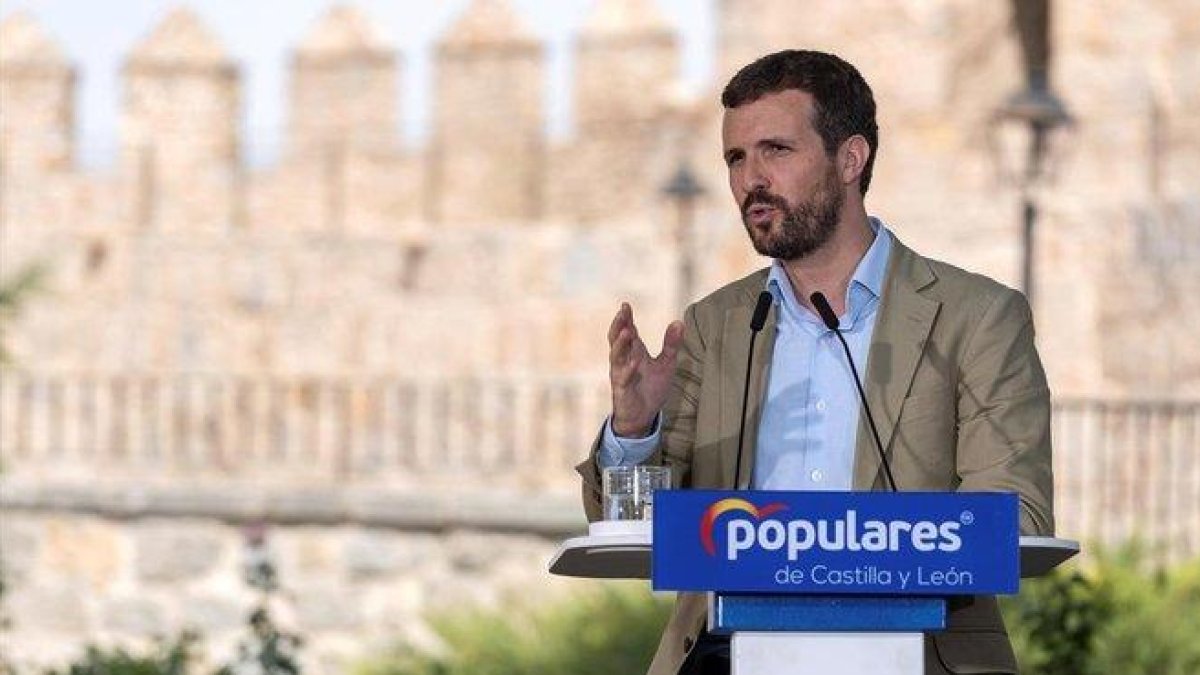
{"x": 621, "y": 348}
{"x": 628, "y": 349}
{"x": 624, "y": 369}
{"x": 672, "y": 340}
{"x": 623, "y": 318}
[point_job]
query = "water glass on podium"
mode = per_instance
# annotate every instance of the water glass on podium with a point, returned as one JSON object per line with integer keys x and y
{"x": 629, "y": 491}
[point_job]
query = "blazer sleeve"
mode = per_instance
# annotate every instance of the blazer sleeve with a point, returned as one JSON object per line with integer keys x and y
{"x": 1004, "y": 413}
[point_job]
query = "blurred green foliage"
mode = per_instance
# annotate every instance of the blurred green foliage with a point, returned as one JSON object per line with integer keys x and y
{"x": 6, "y": 668}
{"x": 14, "y": 293}
{"x": 168, "y": 657}
{"x": 611, "y": 628}
{"x": 1055, "y": 621}
{"x": 267, "y": 651}
{"x": 1117, "y": 615}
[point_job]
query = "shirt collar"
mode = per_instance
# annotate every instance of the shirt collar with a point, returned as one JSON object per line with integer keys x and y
{"x": 872, "y": 269}
{"x": 869, "y": 275}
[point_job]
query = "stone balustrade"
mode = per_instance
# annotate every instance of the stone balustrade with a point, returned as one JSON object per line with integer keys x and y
{"x": 418, "y": 453}
{"x": 399, "y": 433}
{"x": 1127, "y": 469}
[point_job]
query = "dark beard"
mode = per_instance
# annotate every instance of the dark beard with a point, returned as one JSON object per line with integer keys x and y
{"x": 803, "y": 229}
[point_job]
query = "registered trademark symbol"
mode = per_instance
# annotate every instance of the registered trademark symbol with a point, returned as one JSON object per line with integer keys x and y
{"x": 966, "y": 517}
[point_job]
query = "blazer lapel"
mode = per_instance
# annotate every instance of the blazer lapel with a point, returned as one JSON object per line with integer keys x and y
{"x": 733, "y": 372}
{"x": 902, "y": 327}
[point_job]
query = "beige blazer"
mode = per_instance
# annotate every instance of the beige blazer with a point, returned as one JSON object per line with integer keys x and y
{"x": 959, "y": 397}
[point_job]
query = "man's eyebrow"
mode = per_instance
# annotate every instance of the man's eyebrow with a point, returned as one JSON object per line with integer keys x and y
{"x": 776, "y": 140}
{"x": 734, "y": 153}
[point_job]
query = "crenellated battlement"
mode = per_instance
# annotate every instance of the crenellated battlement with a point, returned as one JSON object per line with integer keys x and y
{"x": 489, "y": 157}
{"x": 344, "y": 253}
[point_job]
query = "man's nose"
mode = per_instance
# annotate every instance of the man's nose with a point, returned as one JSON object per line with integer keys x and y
{"x": 755, "y": 178}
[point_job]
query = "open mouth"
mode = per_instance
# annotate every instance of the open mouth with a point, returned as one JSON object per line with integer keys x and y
{"x": 760, "y": 213}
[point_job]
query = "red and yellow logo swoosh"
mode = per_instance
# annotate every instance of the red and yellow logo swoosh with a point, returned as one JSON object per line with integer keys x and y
{"x": 725, "y": 506}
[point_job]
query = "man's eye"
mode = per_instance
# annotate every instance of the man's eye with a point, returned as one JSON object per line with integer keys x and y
{"x": 777, "y": 149}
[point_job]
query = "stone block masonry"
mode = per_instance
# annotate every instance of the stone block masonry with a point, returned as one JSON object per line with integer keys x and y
{"x": 351, "y": 590}
{"x": 351, "y": 253}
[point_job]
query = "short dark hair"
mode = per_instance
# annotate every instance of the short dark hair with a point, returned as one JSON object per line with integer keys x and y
{"x": 842, "y": 99}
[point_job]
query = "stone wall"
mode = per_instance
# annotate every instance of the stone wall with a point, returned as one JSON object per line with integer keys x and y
{"x": 194, "y": 262}
{"x": 352, "y": 591}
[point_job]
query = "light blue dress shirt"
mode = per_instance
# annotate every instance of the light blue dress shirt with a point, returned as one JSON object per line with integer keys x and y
{"x": 809, "y": 423}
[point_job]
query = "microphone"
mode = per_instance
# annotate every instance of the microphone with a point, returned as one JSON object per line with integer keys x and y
{"x": 831, "y": 322}
{"x": 756, "y": 324}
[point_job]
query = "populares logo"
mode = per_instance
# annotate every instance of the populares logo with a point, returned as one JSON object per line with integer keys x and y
{"x": 751, "y": 527}
{"x": 726, "y": 505}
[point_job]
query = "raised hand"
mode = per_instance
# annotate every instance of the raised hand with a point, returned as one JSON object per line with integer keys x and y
{"x": 640, "y": 382}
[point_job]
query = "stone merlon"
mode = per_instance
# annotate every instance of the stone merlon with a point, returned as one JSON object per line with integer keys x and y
{"x": 344, "y": 33}
{"x": 343, "y": 86}
{"x": 37, "y": 88}
{"x": 25, "y": 45}
{"x": 625, "y": 19}
{"x": 181, "y": 40}
{"x": 488, "y": 24}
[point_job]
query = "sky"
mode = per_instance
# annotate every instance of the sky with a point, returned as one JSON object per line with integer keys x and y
{"x": 259, "y": 34}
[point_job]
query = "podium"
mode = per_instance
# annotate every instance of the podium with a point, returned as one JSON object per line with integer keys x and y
{"x": 796, "y": 596}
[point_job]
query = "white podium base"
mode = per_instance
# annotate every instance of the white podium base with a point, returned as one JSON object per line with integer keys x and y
{"x": 824, "y": 653}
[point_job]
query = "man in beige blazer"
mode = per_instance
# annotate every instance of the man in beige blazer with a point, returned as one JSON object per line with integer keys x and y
{"x": 952, "y": 377}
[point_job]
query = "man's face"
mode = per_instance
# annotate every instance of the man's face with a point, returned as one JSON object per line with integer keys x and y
{"x": 788, "y": 189}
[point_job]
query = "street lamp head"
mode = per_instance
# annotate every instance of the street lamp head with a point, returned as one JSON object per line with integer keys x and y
{"x": 1035, "y": 106}
{"x": 1027, "y": 135}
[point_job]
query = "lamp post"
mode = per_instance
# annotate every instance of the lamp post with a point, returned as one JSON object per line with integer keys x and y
{"x": 1035, "y": 113}
{"x": 684, "y": 190}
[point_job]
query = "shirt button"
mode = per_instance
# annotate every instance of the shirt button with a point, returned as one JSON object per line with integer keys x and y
{"x": 821, "y": 405}
{"x": 816, "y": 475}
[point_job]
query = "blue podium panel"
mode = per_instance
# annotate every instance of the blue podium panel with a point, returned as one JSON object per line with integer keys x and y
{"x": 732, "y": 612}
{"x": 836, "y": 543}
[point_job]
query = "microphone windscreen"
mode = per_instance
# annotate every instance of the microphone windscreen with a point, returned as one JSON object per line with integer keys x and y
{"x": 760, "y": 311}
{"x": 823, "y": 308}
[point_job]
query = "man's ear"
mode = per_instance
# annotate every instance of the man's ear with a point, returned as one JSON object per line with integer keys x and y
{"x": 852, "y": 158}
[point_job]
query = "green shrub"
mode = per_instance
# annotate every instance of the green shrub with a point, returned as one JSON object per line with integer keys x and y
{"x": 612, "y": 628}
{"x": 1055, "y": 620}
{"x": 1115, "y": 616}
{"x": 168, "y": 657}
{"x": 1155, "y": 624}
{"x": 267, "y": 650}
{"x": 14, "y": 293}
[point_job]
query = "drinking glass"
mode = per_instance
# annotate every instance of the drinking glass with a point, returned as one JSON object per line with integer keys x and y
{"x": 629, "y": 491}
